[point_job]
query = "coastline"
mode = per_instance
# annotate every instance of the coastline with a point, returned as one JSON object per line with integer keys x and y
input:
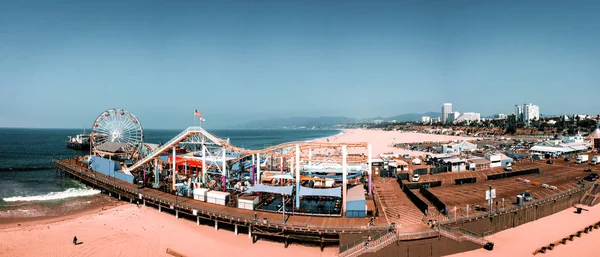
{"x": 383, "y": 141}
{"x": 53, "y": 214}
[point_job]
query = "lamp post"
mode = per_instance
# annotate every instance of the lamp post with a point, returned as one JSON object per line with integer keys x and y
{"x": 491, "y": 201}
{"x": 283, "y": 204}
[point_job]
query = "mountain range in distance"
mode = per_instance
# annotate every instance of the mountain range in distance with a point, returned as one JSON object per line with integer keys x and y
{"x": 329, "y": 121}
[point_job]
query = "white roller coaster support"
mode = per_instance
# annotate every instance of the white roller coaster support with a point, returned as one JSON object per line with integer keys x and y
{"x": 297, "y": 176}
{"x": 173, "y": 142}
{"x": 203, "y": 164}
{"x": 344, "y": 178}
{"x": 224, "y": 171}
{"x": 174, "y": 168}
{"x": 257, "y": 169}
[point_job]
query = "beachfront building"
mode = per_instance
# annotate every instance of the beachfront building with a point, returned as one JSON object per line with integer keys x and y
{"x": 478, "y": 164}
{"x": 563, "y": 145}
{"x": 453, "y": 116}
{"x": 498, "y": 159}
{"x": 519, "y": 112}
{"x": 595, "y": 138}
{"x": 458, "y": 148}
{"x": 500, "y": 116}
{"x": 456, "y": 164}
{"x": 425, "y": 119}
{"x": 530, "y": 112}
{"x": 446, "y": 110}
{"x": 468, "y": 117}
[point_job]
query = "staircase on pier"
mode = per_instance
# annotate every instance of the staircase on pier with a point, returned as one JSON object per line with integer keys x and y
{"x": 461, "y": 234}
{"x": 377, "y": 243}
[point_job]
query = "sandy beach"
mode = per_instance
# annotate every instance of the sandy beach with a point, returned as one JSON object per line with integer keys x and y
{"x": 383, "y": 141}
{"x": 127, "y": 230}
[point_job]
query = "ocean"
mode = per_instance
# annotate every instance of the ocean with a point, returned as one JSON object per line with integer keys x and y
{"x": 28, "y": 177}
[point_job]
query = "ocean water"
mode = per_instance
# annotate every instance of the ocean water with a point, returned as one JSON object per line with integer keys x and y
{"x": 27, "y": 174}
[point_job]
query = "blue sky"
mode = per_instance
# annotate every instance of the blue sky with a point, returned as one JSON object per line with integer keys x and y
{"x": 64, "y": 62}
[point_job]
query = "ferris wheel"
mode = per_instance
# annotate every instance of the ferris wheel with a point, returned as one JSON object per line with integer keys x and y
{"x": 118, "y": 126}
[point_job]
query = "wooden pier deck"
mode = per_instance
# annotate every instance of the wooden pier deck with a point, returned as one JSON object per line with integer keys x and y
{"x": 323, "y": 230}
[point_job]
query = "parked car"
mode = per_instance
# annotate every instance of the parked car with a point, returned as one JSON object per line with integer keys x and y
{"x": 526, "y": 181}
{"x": 415, "y": 178}
{"x": 549, "y": 161}
{"x": 592, "y": 177}
{"x": 544, "y": 185}
{"x": 553, "y": 188}
{"x": 527, "y": 196}
{"x": 567, "y": 159}
{"x": 588, "y": 170}
{"x": 508, "y": 168}
{"x": 520, "y": 179}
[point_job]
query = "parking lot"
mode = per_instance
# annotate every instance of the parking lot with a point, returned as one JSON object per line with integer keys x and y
{"x": 563, "y": 175}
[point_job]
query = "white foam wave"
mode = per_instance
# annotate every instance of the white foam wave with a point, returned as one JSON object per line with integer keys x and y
{"x": 71, "y": 192}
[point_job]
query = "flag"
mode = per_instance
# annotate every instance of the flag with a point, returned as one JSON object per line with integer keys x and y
{"x": 197, "y": 113}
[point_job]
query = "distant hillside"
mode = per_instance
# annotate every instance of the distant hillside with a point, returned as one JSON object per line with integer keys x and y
{"x": 412, "y": 116}
{"x": 325, "y": 121}
{"x": 299, "y": 121}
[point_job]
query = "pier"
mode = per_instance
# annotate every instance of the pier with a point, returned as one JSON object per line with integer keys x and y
{"x": 320, "y": 231}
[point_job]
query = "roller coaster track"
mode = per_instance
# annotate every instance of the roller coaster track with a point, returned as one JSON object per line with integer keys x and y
{"x": 216, "y": 141}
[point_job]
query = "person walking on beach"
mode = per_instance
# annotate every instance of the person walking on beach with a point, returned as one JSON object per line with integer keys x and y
{"x": 75, "y": 240}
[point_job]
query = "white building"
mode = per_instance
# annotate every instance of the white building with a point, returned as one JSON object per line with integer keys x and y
{"x": 564, "y": 145}
{"x": 469, "y": 117}
{"x": 453, "y": 116}
{"x": 519, "y": 112}
{"x": 446, "y": 110}
{"x": 457, "y": 148}
{"x": 425, "y": 119}
{"x": 530, "y": 112}
{"x": 500, "y": 116}
{"x": 498, "y": 159}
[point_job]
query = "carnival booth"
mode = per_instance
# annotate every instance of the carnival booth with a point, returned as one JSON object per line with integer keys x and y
{"x": 217, "y": 197}
{"x": 200, "y": 193}
{"x": 248, "y": 201}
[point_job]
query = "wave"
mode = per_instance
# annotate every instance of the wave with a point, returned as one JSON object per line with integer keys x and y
{"x": 71, "y": 192}
{"x": 26, "y": 168}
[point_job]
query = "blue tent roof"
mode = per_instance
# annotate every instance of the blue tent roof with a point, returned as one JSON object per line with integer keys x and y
{"x": 307, "y": 191}
{"x": 286, "y": 190}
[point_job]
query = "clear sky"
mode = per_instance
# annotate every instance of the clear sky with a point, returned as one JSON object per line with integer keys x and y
{"x": 64, "y": 62}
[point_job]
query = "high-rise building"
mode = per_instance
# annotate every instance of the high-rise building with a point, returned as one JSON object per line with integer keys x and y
{"x": 446, "y": 110}
{"x": 530, "y": 112}
{"x": 519, "y": 112}
{"x": 425, "y": 119}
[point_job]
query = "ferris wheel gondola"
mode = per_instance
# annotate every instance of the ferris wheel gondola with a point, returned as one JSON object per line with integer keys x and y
{"x": 118, "y": 126}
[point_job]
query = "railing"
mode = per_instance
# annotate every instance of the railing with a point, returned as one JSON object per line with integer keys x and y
{"x": 223, "y": 214}
{"x": 462, "y": 219}
{"x": 362, "y": 241}
{"x": 378, "y": 241}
